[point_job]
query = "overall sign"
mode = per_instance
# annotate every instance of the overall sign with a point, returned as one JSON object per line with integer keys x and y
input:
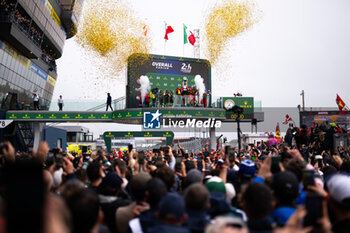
{"x": 165, "y": 73}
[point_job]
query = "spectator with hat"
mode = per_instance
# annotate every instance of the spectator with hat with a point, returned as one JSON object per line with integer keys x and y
{"x": 220, "y": 199}
{"x": 285, "y": 187}
{"x": 257, "y": 202}
{"x": 246, "y": 170}
{"x": 193, "y": 176}
{"x": 245, "y": 176}
{"x": 108, "y": 192}
{"x": 171, "y": 214}
{"x": 339, "y": 201}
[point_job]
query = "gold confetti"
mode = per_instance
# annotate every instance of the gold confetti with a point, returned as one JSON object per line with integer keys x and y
{"x": 111, "y": 29}
{"x": 224, "y": 22}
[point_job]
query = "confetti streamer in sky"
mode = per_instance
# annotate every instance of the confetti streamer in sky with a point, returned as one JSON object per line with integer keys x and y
{"x": 111, "y": 29}
{"x": 225, "y": 21}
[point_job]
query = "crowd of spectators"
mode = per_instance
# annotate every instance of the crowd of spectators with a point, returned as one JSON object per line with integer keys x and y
{"x": 316, "y": 139}
{"x": 267, "y": 187}
{"x": 9, "y": 8}
{"x": 49, "y": 59}
{"x": 25, "y": 24}
{"x": 33, "y": 32}
{"x": 7, "y": 5}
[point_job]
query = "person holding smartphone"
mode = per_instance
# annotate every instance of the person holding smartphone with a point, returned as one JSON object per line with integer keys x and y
{"x": 171, "y": 157}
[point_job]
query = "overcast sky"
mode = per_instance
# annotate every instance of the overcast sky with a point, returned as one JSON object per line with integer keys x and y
{"x": 297, "y": 45}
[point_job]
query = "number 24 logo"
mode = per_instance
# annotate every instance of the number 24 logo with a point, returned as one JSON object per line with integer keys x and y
{"x": 186, "y": 66}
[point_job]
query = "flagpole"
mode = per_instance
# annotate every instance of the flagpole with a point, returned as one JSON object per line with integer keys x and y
{"x": 183, "y": 43}
{"x": 183, "y": 50}
{"x": 303, "y": 99}
{"x": 165, "y": 40}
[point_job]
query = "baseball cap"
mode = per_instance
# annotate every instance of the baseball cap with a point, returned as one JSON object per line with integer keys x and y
{"x": 218, "y": 204}
{"x": 206, "y": 178}
{"x": 247, "y": 168}
{"x": 216, "y": 184}
{"x": 230, "y": 191}
{"x": 111, "y": 180}
{"x": 107, "y": 163}
{"x": 220, "y": 161}
{"x": 171, "y": 206}
{"x": 339, "y": 189}
{"x": 193, "y": 176}
{"x": 285, "y": 185}
{"x": 231, "y": 175}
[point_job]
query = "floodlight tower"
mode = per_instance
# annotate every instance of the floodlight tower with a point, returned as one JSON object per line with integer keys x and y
{"x": 196, "y": 47}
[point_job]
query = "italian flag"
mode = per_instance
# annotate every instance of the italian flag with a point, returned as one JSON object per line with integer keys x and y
{"x": 188, "y": 36}
{"x": 168, "y": 29}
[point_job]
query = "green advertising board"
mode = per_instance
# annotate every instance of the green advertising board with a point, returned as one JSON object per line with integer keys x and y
{"x": 247, "y": 103}
{"x": 116, "y": 116}
{"x": 169, "y": 113}
{"x": 59, "y": 116}
{"x": 109, "y": 135}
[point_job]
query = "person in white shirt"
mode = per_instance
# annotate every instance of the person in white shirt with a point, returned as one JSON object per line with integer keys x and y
{"x": 36, "y": 101}
{"x": 60, "y": 103}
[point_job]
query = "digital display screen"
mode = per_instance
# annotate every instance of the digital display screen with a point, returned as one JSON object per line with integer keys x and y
{"x": 164, "y": 73}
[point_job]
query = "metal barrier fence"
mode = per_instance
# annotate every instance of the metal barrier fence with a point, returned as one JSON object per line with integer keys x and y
{"x": 195, "y": 145}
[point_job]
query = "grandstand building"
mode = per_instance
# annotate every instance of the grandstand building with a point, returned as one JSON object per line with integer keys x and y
{"x": 32, "y": 37}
